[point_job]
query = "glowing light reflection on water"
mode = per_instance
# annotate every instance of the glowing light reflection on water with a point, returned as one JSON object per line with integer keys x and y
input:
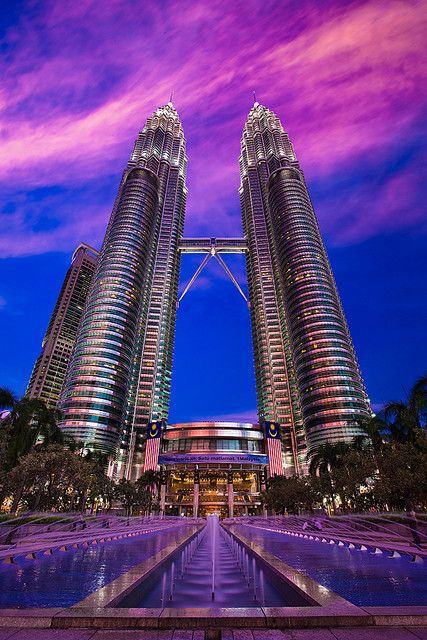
{"x": 362, "y": 577}
{"x": 64, "y": 578}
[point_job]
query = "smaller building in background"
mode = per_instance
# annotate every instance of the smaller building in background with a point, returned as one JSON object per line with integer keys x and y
{"x": 49, "y": 370}
{"x": 212, "y": 467}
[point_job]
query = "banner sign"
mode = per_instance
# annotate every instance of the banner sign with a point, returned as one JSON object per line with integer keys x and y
{"x": 274, "y": 448}
{"x": 152, "y": 446}
{"x": 254, "y": 458}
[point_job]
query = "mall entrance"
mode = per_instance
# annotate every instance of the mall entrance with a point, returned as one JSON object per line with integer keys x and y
{"x": 224, "y": 491}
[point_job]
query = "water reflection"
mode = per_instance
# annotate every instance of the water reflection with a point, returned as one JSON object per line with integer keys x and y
{"x": 64, "y": 578}
{"x": 364, "y": 578}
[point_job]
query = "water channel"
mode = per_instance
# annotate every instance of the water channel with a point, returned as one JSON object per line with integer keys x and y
{"x": 213, "y": 570}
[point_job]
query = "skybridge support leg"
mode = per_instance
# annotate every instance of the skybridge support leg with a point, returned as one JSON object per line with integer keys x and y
{"x": 202, "y": 265}
{"x": 230, "y": 275}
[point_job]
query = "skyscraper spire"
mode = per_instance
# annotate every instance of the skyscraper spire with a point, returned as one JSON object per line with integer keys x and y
{"x": 264, "y": 142}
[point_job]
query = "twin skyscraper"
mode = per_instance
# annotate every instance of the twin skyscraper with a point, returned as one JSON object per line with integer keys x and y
{"x": 117, "y": 385}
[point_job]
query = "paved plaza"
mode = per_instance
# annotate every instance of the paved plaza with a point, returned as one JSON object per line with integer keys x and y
{"x": 350, "y": 633}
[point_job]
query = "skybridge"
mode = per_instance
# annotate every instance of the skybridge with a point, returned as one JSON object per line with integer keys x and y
{"x": 216, "y": 245}
{"x": 213, "y": 248}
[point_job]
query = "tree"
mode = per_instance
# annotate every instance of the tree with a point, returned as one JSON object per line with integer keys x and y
{"x": 325, "y": 459}
{"x": 149, "y": 503}
{"x": 28, "y": 422}
{"x": 44, "y": 479}
{"x": 150, "y": 479}
{"x": 289, "y": 494}
{"x": 352, "y": 479}
{"x": 94, "y": 455}
{"x": 375, "y": 430}
{"x": 56, "y": 478}
{"x": 406, "y": 421}
{"x": 107, "y": 491}
{"x": 129, "y": 494}
{"x": 7, "y": 399}
{"x": 94, "y": 486}
{"x": 402, "y": 477}
{"x": 328, "y": 457}
{"x": 140, "y": 495}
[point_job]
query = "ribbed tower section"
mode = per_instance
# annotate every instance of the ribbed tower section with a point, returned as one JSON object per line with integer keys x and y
{"x": 264, "y": 148}
{"x": 331, "y": 389}
{"x": 112, "y": 372}
{"x": 95, "y": 391}
{"x": 318, "y": 346}
{"x": 160, "y": 147}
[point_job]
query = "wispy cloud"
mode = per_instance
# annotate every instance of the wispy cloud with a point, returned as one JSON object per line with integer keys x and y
{"x": 37, "y": 224}
{"x": 80, "y": 78}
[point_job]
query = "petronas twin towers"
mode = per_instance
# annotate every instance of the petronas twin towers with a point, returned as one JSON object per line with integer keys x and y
{"x": 118, "y": 379}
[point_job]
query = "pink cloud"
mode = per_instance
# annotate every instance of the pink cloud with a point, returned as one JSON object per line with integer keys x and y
{"x": 80, "y": 79}
{"x": 374, "y": 208}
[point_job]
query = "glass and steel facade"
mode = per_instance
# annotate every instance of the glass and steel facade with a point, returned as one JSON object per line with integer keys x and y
{"x": 119, "y": 373}
{"x": 307, "y": 374}
{"x": 161, "y": 146}
{"x": 49, "y": 370}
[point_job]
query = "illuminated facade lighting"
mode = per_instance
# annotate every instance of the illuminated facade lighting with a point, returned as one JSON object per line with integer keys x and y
{"x": 307, "y": 375}
{"x": 119, "y": 374}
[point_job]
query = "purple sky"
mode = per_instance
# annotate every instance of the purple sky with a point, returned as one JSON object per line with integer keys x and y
{"x": 347, "y": 79}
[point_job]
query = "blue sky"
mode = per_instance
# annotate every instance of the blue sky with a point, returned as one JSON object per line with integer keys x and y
{"x": 348, "y": 81}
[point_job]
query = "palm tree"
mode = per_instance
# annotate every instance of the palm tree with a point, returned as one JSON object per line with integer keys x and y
{"x": 100, "y": 458}
{"x": 7, "y": 399}
{"x": 325, "y": 459}
{"x": 149, "y": 478}
{"x": 406, "y": 421}
{"x": 29, "y": 422}
{"x": 374, "y": 429}
{"x": 47, "y": 420}
{"x": 328, "y": 457}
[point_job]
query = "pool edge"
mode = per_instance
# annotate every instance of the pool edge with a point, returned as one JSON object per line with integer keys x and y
{"x": 270, "y": 618}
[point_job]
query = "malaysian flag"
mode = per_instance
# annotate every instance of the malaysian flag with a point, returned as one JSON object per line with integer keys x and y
{"x": 274, "y": 448}
{"x": 152, "y": 447}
